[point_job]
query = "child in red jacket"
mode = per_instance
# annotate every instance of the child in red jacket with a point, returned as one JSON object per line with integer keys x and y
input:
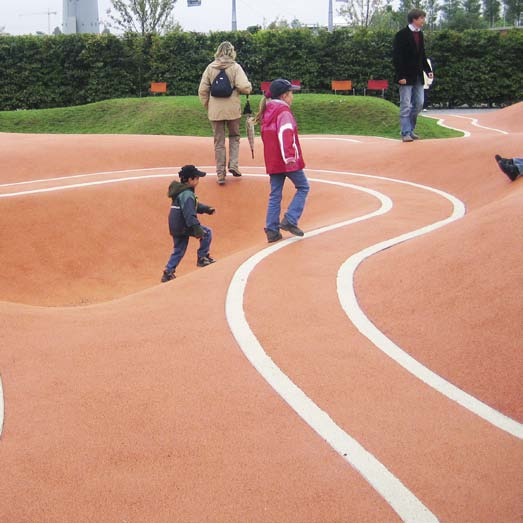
{"x": 283, "y": 158}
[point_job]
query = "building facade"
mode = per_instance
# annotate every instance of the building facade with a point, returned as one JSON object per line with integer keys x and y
{"x": 80, "y": 16}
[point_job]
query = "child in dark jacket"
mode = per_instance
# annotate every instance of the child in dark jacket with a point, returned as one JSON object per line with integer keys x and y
{"x": 183, "y": 221}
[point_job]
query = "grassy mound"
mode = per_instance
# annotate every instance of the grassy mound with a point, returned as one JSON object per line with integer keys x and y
{"x": 184, "y": 116}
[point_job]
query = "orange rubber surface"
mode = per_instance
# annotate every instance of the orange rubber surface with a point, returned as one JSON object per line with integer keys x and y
{"x": 128, "y": 400}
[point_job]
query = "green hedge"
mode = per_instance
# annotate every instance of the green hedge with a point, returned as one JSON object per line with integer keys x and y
{"x": 474, "y": 67}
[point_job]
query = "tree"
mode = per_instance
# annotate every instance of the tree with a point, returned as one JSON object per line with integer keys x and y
{"x": 472, "y": 18}
{"x": 432, "y": 7}
{"x": 141, "y": 16}
{"x": 360, "y": 12}
{"x": 491, "y": 11}
{"x": 514, "y": 12}
{"x": 388, "y": 19}
{"x": 451, "y": 14}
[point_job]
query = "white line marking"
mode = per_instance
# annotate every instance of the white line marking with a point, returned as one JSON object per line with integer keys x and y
{"x": 1, "y": 407}
{"x": 81, "y": 185}
{"x": 349, "y": 302}
{"x": 441, "y": 124}
{"x": 401, "y": 499}
{"x": 99, "y": 182}
{"x": 73, "y": 176}
{"x": 475, "y": 122}
{"x": 467, "y": 133}
{"x": 85, "y": 175}
{"x": 305, "y": 137}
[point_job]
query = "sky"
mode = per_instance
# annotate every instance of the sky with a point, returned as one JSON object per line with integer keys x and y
{"x": 29, "y": 16}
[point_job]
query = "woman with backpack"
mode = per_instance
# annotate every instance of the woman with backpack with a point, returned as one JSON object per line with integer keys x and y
{"x": 220, "y": 87}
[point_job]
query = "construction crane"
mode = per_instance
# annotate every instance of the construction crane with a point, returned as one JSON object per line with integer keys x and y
{"x": 48, "y": 13}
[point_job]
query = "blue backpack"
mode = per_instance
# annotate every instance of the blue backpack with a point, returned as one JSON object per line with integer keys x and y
{"x": 221, "y": 86}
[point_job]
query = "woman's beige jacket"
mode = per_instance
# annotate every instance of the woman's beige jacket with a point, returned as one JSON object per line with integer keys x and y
{"x": 224, "y": 108}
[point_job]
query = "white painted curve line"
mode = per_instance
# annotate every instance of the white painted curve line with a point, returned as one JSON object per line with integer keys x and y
{"x": 349, "y": 302}
{"x": 441, "y": 123}
{"x": 1, "y": 407}
{"x": 84, "y": 184}
{"x": 475, "y": 123}
{"x": 98, "y": 182}
{"x": 86, "y": 175}
{"x": 330, "y": 139}
{"x": 397, "y": 495}
{"x": 100, "y": 173}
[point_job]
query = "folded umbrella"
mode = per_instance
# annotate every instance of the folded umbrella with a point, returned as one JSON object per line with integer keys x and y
{"x": 249, "y": 125}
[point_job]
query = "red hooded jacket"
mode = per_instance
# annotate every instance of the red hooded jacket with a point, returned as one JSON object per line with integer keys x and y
{"x": 279, "y": 132}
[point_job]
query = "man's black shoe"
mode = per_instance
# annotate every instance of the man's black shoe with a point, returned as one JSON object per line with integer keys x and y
{"x": 507, "y": 166}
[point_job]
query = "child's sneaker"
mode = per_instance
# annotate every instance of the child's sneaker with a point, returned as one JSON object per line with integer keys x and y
{"x": 168, "y": 276}
{"x": 204, "y": 261}
{"x": 293, "y": 229}
{"x": 221, "y": 179}
{"x": 273, "y": 236}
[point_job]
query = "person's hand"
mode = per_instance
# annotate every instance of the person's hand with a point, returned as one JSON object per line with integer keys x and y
{"x": 210, "y": 210}
{"x": 431, "y": 75}
{"x": 402, "y": 81}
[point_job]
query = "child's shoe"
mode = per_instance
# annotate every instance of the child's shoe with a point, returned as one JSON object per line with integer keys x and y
{"x": 204, "y": 261}
{"x": 273, "y": 236}
{"x": 168, "y": 276}
{"x": 293, "y": 229}
{"x": 221, "y": 179}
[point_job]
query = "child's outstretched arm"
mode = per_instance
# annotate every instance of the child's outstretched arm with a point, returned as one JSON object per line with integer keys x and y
{"x": 205, "y": 209}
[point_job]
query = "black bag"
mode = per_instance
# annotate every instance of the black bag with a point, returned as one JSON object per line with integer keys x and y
{"x": 221, "y": 86}
{"x": 247, "y": 109}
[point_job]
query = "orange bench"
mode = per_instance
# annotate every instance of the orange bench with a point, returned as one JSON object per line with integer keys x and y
{"x": 158, "y": 87}
{"x": 342, "y": 85}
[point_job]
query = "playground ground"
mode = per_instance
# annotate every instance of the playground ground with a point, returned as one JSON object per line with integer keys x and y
{"x": 368, "y": 372}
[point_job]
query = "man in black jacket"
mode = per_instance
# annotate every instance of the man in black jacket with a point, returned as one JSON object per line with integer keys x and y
{"x": 410, "y": 61}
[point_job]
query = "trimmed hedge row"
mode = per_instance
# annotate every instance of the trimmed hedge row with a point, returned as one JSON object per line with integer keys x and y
{"x": 474, "y": 67}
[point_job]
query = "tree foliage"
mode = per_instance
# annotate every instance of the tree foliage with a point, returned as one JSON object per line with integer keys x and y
{"x": 514, "y": 12}
{"x": 472, "y": 67}
{"x": 141, "y": 16}
{"x": 360, "y": 13}
{"x": 491, "y": 9}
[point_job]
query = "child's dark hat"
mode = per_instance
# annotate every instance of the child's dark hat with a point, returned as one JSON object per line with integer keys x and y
{"x": 190, "y": 171}
{"x": 279, "y": 87}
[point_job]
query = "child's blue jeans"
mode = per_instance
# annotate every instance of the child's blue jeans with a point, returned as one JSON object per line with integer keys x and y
{"x": 295, "y": 210}
{"x": 180, "y": 246}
